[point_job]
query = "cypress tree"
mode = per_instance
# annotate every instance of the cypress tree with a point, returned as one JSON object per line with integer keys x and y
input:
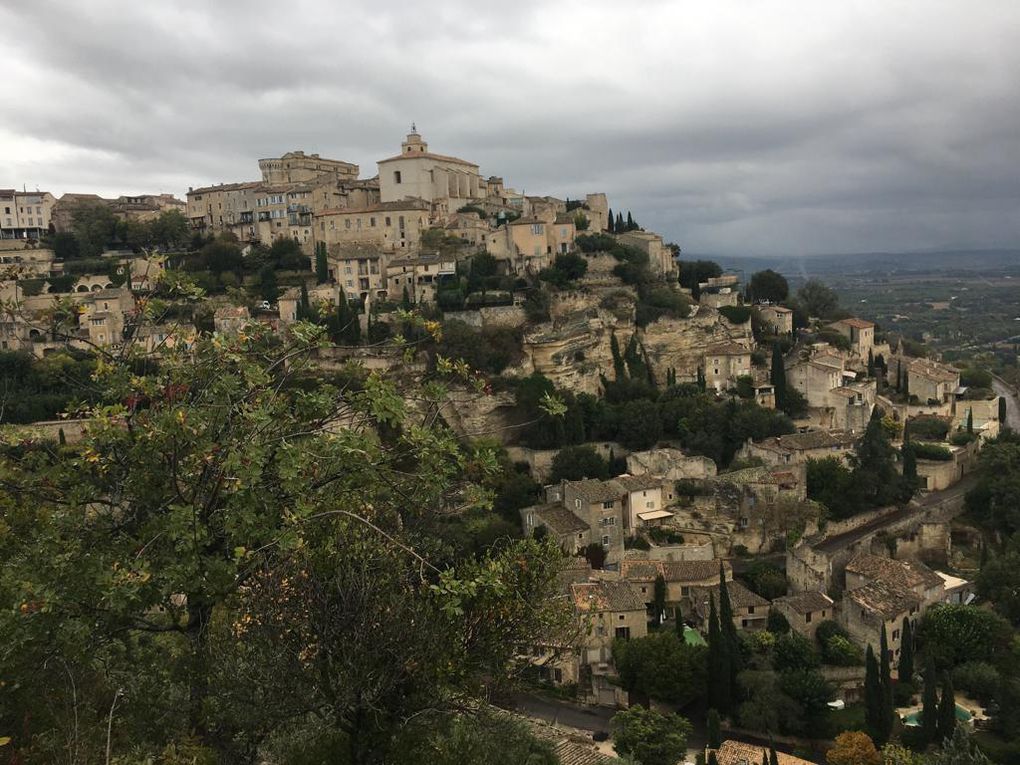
{"x": 729, "y": 632}
{"x": 947, "y": 709}
{"x": 871, "y": 363}
{"x": 764, "y": 757}
{"x": 678, "y": 615}
{"x": 701, "y": 379}
{"x": 712, "y": 759}
{"x": 659, "y": 598}
{"x": 773, "y": 756}
{"x": 905, "y": 670}
{"x": 630, "y": 222}
{"x": 405, "y": 300}
{"x": 906, "y": 383}
{"x": 609, "y": 221}
{"x": 970, "y": 420}
{"x": 61, "y": 438}
{"x": 619, "y": 370}
{"x": 873, "y": 697}
{"x": 321, "y": 265}
{"x": 885, "y": 677}
{"x": 717, "y": 689}
{"x": 899, "y": 376}
{"x": 778, "y": 377}
{"x": 713, "y": 725}
{"x": 619, "y": 224}
{"x": 929, "y": 703}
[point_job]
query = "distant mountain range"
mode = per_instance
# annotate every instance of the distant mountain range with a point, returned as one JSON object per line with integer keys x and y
{"x": 870, "y": 263}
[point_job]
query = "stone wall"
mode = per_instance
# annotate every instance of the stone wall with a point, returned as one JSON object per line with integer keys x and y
{"x": 681, "y": 343}
{"x": 49, "y": 430}
{"x": 488, "y": 317}
{"x": 540, "y": 460}
{"x": 478, "y": 415}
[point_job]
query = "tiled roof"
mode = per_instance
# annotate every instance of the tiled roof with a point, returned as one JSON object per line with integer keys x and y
{"x": 411, "y": 203}
{"x": 813, "y": 439}
{"x": 740, "y": 596}
{"x": 855, "y": 323}
{"x": 592, "y": 490}
{"x": 933, "y": 371}
{"x": 738, "y": 753}
{"x": 884, "y": 599}
{"x": 900, "y": 572}
{"x": 727, "y": 349}
{"x": 560, "y": 520}
{"x": 776, "y": 308}
{"x": 806, "y": 602}
{"x": 757, "y": 474}
{"x": 226, "y": 187}
{"x": 672, "y": 571}
{"x": 606, "y": 596}
{"x": 638, "y": 482}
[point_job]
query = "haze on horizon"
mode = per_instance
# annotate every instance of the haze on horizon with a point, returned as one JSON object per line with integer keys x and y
{"x": 729, "y": 127}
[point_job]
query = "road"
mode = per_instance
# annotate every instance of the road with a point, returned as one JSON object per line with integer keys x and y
{"x": 847, "y": 538}
{"x": 1012, "y": 407}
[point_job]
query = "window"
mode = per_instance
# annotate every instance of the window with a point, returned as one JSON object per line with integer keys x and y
{"x": 577, "y": 503}
{"x": 623, "y": 632}
{"x": 388, "y": 222}
{"x": 400, "y": 222}
{"x": 611, "y": 521}
{"x": 605, "y": 540}
{"x": 536, "y": 228}
{"x": 649, "y": 504}
{"x": 396, "y": 176}
{"x": 347, "y": 223}
{"x": 896, "y": 635}
{"x": 607, "y": 505}
{"x": 531, "y": 519}
{"x": 807, "y": 618}
{"x": 350, "y": 283}
{"x": 371, "y": 222}
{"x": 644, "y": 590}
{"x": 750, "y": 609}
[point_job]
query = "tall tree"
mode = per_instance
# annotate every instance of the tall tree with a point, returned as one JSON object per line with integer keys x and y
{"x": 321, "y": 263}
{"x": 610, "y": 221}
{"x": 947, "y": 709}
{"x": 817, "y": 299}
{"x": 874, "y": 716}
{"x": 885, "y": 677}
{"x": 777, "y": 376}
{"x": 619, "y": 368}
{"x": 929, "y": 702}
{"x": 871, "y": 363}
{"x": 631, "y": 225}
{"x": 659, "y": 599}
{"x": 728, "y": 628}
{"x": 970, "y": 420}
{"x": 620, "y": 225}
{"x": 769, "y": 286}
{"x": 905, "y": 670}
{"x": 718, "y": 665}
{"x": 713, "y": 729}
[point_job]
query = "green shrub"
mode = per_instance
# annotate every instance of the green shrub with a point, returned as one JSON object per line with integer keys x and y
{"x": 933, "y": 452}
{"x": 928, "y": 429}
{"x": 736, "y": 314}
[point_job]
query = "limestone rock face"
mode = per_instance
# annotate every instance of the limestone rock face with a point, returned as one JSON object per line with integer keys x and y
{"x": 573, "y": 351}
{"x": 681, "y": 343}
{"x": 476, "y": 415}
{"x": 671, "y": 464}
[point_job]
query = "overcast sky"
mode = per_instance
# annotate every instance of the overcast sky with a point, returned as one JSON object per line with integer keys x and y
{"x": 730, "y": 127}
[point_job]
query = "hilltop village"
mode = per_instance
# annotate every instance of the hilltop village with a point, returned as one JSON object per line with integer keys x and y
{"x": 732, "y": 468}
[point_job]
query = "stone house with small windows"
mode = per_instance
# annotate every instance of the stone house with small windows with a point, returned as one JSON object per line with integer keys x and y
{"x": 600, "y": 505}
{"x": 912, "y": 575}
{"x": 643, "y": 502}
{"x": 798, "y": 448}
{"x": 778, "y": 319}
{"x": 814, "y": 377}
{"x": 724, "y": 363}
{"x": 860, "y": 333}
{"x": 660, "y": 256}
{"x": 386, "y": 226}
{"x": 750, "y": 610}
{"x": 421, "y": 276}
{"x": 805, "y": 611}
{"x": 569, "y": 530}
{"x": 608, "y": 610}
{"x": 684, "y": 579}
{"x": 931, "y": 382}
{"x": 359, "y": 271}
{"x": 739, "y": 753}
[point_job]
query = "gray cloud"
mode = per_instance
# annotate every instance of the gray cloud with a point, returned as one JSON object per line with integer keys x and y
{"x": 731, "y": 127}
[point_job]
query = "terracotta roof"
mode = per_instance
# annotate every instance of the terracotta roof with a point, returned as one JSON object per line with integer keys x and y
{"x": 855, "y": 323}
{"x": 639, "y": 482}
{"x": 900, "y": 572}
{"x": 756, "y": 474}
{"x": 428, "y": 155}
{"x": 806, "y": 602}
{"x": 672, "y": 571}
{"x": 884, "y": 599}
{"x": 727, "y": 349}
{"x": 606, "y": 596}
{"x": 226, "y": 187}
{"x": 740, "y": 596}
{"x": 933, "y": 371}
{"x": 738, "y": 753}
{"x": 560, "y": 520}
{"x": 596, "y": 491}
{"x": 813, "y": 439}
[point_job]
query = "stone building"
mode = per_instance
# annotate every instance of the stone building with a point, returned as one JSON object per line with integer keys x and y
{"x": 388, "y": 226}
{"x": 25, "y": 214}
{"x": 779, "y": 319}
{"x": 805, "y": 611}
{"x": 600, "y": 505}
{"x": 571, "y": 531}
{"x": 750, "y": 610}
{"x": 724, "y": 363}
{"x": 867, "y": 609}
{"x": 684, "y": 579}
{"x": 798, "y": 448}
{"x": 660, "y": 256}
{"x": 420, "y": 276}
{"x": 298, "y": 167}
{"x": 449, "y": 182}
{"x": 359, "y": 270}
{"x": 860, "y": 333}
